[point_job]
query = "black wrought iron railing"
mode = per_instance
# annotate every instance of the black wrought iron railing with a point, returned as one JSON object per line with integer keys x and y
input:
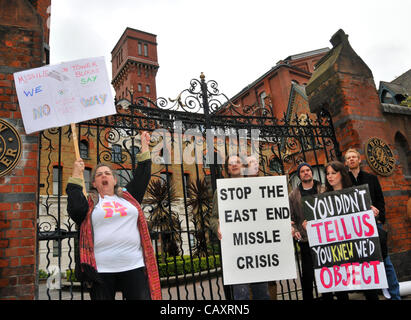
{"x": 178, "y": 201}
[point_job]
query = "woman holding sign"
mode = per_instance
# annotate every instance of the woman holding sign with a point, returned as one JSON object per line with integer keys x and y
{"x": 338, "y": 178}
{"x": 235, "y": 168}
{"x": 115, "y": 251}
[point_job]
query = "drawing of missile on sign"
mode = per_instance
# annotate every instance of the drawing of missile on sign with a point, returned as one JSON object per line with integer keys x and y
{"x": 61, "y": 94}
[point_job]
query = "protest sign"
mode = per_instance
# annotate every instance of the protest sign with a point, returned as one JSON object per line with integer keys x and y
{"x": 255, "y": 224}
{"x": 343, "y": 237}
{"x": 61, "y": 94}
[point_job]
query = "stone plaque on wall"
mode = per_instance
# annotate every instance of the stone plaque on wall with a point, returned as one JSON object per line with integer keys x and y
{"x": 379, "y": 156}
{"x": 10, "y": 147}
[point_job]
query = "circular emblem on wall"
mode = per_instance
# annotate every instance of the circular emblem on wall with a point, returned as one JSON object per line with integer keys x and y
{"x": 10, "y": 147}
{"x": 379, "y": 156}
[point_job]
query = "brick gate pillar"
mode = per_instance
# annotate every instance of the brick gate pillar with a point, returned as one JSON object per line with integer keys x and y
{"x": 21, "y": 47}
{"x": 344, "y": 85}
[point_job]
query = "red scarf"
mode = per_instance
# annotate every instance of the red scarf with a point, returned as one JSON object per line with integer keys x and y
{"x": 87, "y": 245}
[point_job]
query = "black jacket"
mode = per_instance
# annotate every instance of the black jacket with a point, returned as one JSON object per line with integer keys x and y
{"x": 377, "y": 200}
{"x": 296, "y": 209}
{"x": 377, "y": 197}
{"x": 77, "y": 204}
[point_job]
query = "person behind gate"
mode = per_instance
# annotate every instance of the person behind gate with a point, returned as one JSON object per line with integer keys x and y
{"x": 235, "y": 169}
{"x": 308, "y": 186}
{"x": 114, "y": 251}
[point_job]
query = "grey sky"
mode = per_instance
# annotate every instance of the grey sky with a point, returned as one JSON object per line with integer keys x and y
{"x": 233, "y": 41}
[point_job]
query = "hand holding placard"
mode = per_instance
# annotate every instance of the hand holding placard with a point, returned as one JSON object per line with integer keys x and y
{"x": 343, "y": 238}
{"x": 78, "y": 164}
{"x": 58, "y": 95}
{"x": 255, "y": 225}
{"x": 62, "y": 94}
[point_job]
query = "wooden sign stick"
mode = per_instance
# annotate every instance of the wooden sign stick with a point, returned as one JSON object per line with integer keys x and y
{"x": 77, "y": 151}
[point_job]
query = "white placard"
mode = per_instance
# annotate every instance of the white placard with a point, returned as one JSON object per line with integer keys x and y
{"x": 344, "y": 240}
{"x": 61, "y": 94}
{"x": 255, "y": 224}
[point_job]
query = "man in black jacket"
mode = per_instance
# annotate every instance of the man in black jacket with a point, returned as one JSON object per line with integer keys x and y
{"x": 359, "y": 177}
{"x": 308, "y": 186}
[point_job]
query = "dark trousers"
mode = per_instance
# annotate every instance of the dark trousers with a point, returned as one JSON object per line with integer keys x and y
{"x": 340, "y": 295}
{"x": 307, "y": 276}
{"x": 371, "y": 294}
{"x": 133, "y": 284}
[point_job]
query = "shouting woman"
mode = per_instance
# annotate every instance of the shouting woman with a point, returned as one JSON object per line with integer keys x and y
{"x": 115, "y": 251}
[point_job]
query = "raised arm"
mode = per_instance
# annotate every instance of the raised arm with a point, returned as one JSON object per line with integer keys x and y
{"x": 77, "y": 204}
{"x": 141, "y": 175}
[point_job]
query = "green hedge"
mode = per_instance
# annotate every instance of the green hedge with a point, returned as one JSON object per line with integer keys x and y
{"x": 180, "y": 266}
{"x": 70, "y": 276}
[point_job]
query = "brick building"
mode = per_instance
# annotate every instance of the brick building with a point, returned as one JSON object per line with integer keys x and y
{"x": 393, "y": 97}
{"x": 339, "y": 81}
{"x": 134, "y": 69}
{"x": 280, "y": 93}
{"x": 135, "y": 64}
{"x": 23, "y": 45}
{"x": 344, "y": 85}
{"x": 273, "y": 87}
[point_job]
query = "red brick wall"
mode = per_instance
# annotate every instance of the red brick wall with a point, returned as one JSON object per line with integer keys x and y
{"x": 346, "y": 88}
{"x": 362, "y": 106}
{"x": 277, "y": 86}
{"x": 43, "y": 8}
{"x": 21, "y": 47}
{"x": 277, "y": 83}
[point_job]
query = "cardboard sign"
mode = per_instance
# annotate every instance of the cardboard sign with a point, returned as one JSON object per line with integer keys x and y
{"x": 255, "y": 224}
{"x": 343, "y": 237}
{"x": 58, "y": 95}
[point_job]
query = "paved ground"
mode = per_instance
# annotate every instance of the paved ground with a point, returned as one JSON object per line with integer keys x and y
{"x": 189, "y": 292}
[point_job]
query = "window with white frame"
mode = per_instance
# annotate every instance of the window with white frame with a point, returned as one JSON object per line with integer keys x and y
{"x": 57, "y": 180}
{"x": 116, "y": 153}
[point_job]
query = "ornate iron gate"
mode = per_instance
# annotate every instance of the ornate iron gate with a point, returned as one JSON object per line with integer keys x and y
{"x": 200, "y": 125}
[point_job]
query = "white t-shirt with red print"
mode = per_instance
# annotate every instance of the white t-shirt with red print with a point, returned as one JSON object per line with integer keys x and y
{"x": 117, "y": 245}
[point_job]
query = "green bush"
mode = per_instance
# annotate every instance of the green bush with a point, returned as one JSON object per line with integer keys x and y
{"x": 42, "y": 274}
{"x": 70, "y": 275}
{"x": 181, "y": 266}
{"x": 170, "y": 268}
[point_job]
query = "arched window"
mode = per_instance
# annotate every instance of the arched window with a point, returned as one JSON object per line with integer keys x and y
{"x": 116, "y": 153}
{"x": 387, "y": 97}
{"x": 84, "y": 149}
{"x": 263, "y": 95}
{"x": 123, "y": 176}
{"x": 87, "y": 178}
{"x": 275, "y": 165}
{"x": 404, "y": 154}
{"x": 135, "y": 150}
{"x": 57, "y": 180}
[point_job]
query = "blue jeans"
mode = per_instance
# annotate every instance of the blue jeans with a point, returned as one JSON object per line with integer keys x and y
{"x": 393, "y": 285}
{"x": 259, "y": 290}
